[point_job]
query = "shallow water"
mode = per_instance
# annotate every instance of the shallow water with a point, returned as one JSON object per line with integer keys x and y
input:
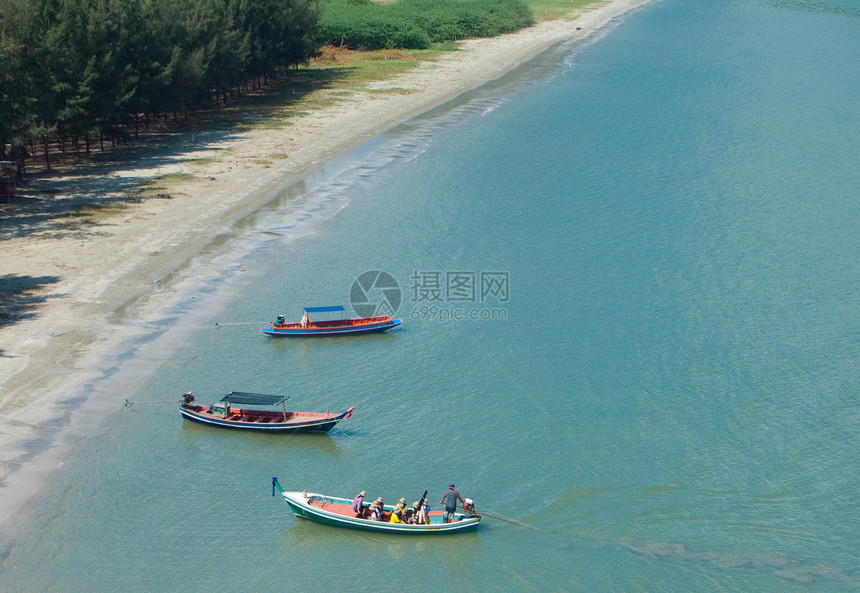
{"x": 628, "y": 274}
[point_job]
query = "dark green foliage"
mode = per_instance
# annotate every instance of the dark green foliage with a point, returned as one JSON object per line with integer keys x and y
{"x": 81, "y": 69}
{"x": 76, "y": 68}
{"x": 416, "y": 24}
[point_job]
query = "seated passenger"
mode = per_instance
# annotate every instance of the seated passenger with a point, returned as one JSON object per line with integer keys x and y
{"x": 397, "y": 513}
{"x": 423, "y": 515}
{"x": 412, "y": 513}
{"x": 377, "y": 509}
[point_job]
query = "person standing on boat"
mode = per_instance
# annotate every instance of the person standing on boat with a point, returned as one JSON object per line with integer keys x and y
{"x": 306, "y": 319}
{"x": 449, "y": 499}
{"x": 358, "y": 504}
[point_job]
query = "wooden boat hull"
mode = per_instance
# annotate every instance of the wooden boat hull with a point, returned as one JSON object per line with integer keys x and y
{"x": 337, "y": 512}
{"x": 264, "y": 421}
{"x": 340, "y": 327}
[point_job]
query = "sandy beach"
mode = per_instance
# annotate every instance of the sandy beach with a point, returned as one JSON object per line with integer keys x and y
{"x": 84, "y": 278}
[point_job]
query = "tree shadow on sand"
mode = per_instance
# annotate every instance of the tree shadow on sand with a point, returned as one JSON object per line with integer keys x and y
{"x": 21, "y": 295}
{"x": 77, "y": 199}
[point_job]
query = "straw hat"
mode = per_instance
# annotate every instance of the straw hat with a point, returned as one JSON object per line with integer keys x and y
{"x": 402, "y": 500}
{"x": 362, "y": 493}
{"x": 378, "y": 501}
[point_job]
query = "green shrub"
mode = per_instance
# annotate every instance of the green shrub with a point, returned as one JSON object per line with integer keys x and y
{"x": 416, "y": 24}
{"x": 411, "y": 38}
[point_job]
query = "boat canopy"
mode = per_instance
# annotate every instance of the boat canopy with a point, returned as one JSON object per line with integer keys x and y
{"x": 324, "y": 309}
{"x": 254, "y": 399}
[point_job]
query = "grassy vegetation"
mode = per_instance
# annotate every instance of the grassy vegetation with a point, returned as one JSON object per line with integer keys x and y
{"x": 79, "y": 216}
{"x": 95, "y": 209}
{"x": 333, "y": 77}
{"x": 546, "y": 10}
{"x": 202, "y": 161}
{"x": 164, "y": 186}
{"x": 416, "y": 24}
{"x": 177, "y": 176}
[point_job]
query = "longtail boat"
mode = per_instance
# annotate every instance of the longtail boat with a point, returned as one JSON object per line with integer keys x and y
{"x": 226, "y": 416}
{"x": 337, "y": 512}
{"x": 332, "y": 327}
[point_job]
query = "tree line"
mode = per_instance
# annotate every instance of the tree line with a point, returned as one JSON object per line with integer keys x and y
{"x": 78, "y": 71}
{"x": 84, "y": 69}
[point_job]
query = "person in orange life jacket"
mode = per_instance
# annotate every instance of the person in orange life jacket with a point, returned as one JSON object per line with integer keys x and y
{"x": 449, "y": 499}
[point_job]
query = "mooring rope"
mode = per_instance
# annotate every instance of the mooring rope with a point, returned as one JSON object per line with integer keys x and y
{"x": 129, "y": 404}
{"x": 494, "y": 515}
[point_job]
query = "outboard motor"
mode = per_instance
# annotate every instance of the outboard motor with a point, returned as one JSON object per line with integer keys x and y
{"x": 187, "y": 398}
{"x": 281, "y": 320}
{"x": 469, "y": 506}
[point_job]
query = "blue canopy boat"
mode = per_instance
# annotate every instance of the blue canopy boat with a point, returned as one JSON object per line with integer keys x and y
{"x": 337, "y": 512}
{"x": 332, "y": 327}
{"x": 225, "y": 416}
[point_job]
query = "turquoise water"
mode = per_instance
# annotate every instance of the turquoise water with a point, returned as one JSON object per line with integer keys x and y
{"x": 660, "y": 376}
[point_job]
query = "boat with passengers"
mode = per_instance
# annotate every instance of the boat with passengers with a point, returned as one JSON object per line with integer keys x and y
{"x": 338, "y": 512}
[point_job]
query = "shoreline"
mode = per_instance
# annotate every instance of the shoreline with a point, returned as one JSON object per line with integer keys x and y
{"x": 99, "y": 272}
